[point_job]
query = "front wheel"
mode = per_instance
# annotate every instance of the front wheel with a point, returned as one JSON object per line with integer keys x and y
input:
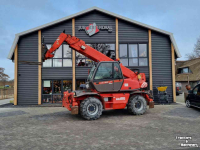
{"x": 137, "y": 105}
{"x": 187, "y": 103}
{"x": 91, "y": 108}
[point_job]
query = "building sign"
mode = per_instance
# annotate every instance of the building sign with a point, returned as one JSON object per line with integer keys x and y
{"x": 93, "y": 29}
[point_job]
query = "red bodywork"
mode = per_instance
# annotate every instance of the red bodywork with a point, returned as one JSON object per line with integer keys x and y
{"x": 119, "y": 100}
{"x": 109, "y": 101}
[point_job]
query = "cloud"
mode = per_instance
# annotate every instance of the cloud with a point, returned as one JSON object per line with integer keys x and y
{"x": 181, "y": 17}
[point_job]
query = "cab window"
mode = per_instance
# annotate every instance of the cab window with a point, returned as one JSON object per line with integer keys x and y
{"x": 117, "y": 71}
{"x": 104, "y": 71}
{"x": 196, "y": 90}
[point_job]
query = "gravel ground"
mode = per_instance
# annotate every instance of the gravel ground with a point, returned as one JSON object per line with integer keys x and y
{"x": 55, "y": 128}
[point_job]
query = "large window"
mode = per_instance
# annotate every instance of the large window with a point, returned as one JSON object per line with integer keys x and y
{"x": 62, "y": 57}
{"x": 184, "y": 70}
{"x": 133, "y": 54}
{"x": 53, "y": 90}
{"x": 107, "y": 49}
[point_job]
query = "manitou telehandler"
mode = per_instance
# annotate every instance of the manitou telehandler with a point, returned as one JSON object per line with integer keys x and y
{"x": 110, "y": 85}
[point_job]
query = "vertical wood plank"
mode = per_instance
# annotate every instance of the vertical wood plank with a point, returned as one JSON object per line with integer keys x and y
{"x": 150, "y": 62}
{"x": 173, "y": 73}
{"x": 39, "y": 67}
{"x": 15, "y": 78}
{"x": 117, "y": 39}
{"x": 73, "y": 59}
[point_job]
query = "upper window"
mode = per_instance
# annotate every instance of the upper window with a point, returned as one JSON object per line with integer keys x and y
{"x": 184, "y": 70}
{"x": 62, "y": 57}
{"x": 107, "y": 49}
{"x": 133, "y": 54}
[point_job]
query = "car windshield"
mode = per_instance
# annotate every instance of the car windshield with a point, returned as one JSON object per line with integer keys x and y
{"x": 91, "y": 73}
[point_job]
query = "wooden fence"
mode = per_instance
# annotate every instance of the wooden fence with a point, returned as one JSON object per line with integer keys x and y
{"x": 6, "y": 93}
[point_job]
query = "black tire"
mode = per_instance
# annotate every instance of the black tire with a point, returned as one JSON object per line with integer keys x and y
{"x": 187, "y": 103}
{"x": 91, "y": 108}
{"x": 137, "y": 105}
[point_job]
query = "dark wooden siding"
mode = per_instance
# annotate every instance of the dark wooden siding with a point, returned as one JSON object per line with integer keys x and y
{"x": 131, "y": 33}
{"x": 57, "y": 73}
{"x": 28, "y": 74}
{"x": 161, "y": 64}
{"x": 82, "y": 72}
{"x": 50, "y": 35}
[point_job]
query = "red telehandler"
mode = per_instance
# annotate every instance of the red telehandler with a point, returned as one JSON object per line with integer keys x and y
{"x": 110, "y": 85}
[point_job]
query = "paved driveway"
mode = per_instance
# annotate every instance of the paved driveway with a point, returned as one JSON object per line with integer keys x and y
{"x": 55, "y": 128}
{"x": 5, "y": 101}
{"x": 180, "y": 98}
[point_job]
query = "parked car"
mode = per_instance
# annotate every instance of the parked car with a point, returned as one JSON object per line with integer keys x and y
{"x": 178, "y": 88}
{"x": 6, "y": 85}
{"x": 193, "y": 97}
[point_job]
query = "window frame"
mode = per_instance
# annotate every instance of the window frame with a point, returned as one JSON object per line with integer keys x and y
{"x": 180, "y": 70}
{"x": 63, "y": 58}
{"x": 52, "y": 88}
{"x": 197, "y": 86}
{"x": 97, "y": 80}
{"x": 147, "y": 46}
{"x": 90, "y": 59}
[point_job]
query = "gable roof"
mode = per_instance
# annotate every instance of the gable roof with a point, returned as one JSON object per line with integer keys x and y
{"x": 84, "y": 12}
{"x": 189, "y": 63}
{"x": 194, "y": 66}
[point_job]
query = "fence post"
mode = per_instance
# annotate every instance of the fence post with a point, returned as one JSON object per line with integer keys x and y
{"x": 7, "y": 93}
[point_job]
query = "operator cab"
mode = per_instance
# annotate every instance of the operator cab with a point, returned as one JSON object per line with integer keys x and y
{"x": 105, "y": 77}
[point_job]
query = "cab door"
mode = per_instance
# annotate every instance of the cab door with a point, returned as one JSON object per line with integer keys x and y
{"x": 103, "y": 77}
{"x": 117, "y": 76}
{"x": 197, "y": 97}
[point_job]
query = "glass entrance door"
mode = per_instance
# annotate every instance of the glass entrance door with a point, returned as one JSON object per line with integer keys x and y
{"x": 57, "y": 91}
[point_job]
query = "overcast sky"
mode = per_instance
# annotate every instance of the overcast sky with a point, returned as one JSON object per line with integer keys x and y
{"x": 181, "y": 17}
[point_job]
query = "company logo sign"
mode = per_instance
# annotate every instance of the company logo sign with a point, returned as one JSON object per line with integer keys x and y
{"x": 93, "y": 28}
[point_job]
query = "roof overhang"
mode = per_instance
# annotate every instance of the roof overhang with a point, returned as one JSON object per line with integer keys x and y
{"x": 17, "y": 36}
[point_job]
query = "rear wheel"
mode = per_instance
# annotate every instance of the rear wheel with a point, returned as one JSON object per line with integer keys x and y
{"x": 137, "y": 105}
{"x": 91, "y": 108}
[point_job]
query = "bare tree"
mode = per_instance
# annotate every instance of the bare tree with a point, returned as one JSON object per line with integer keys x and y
{"x": 196, "y": 52}
{"x": 2, "y": 74}
{"x": 3, "y": 78}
